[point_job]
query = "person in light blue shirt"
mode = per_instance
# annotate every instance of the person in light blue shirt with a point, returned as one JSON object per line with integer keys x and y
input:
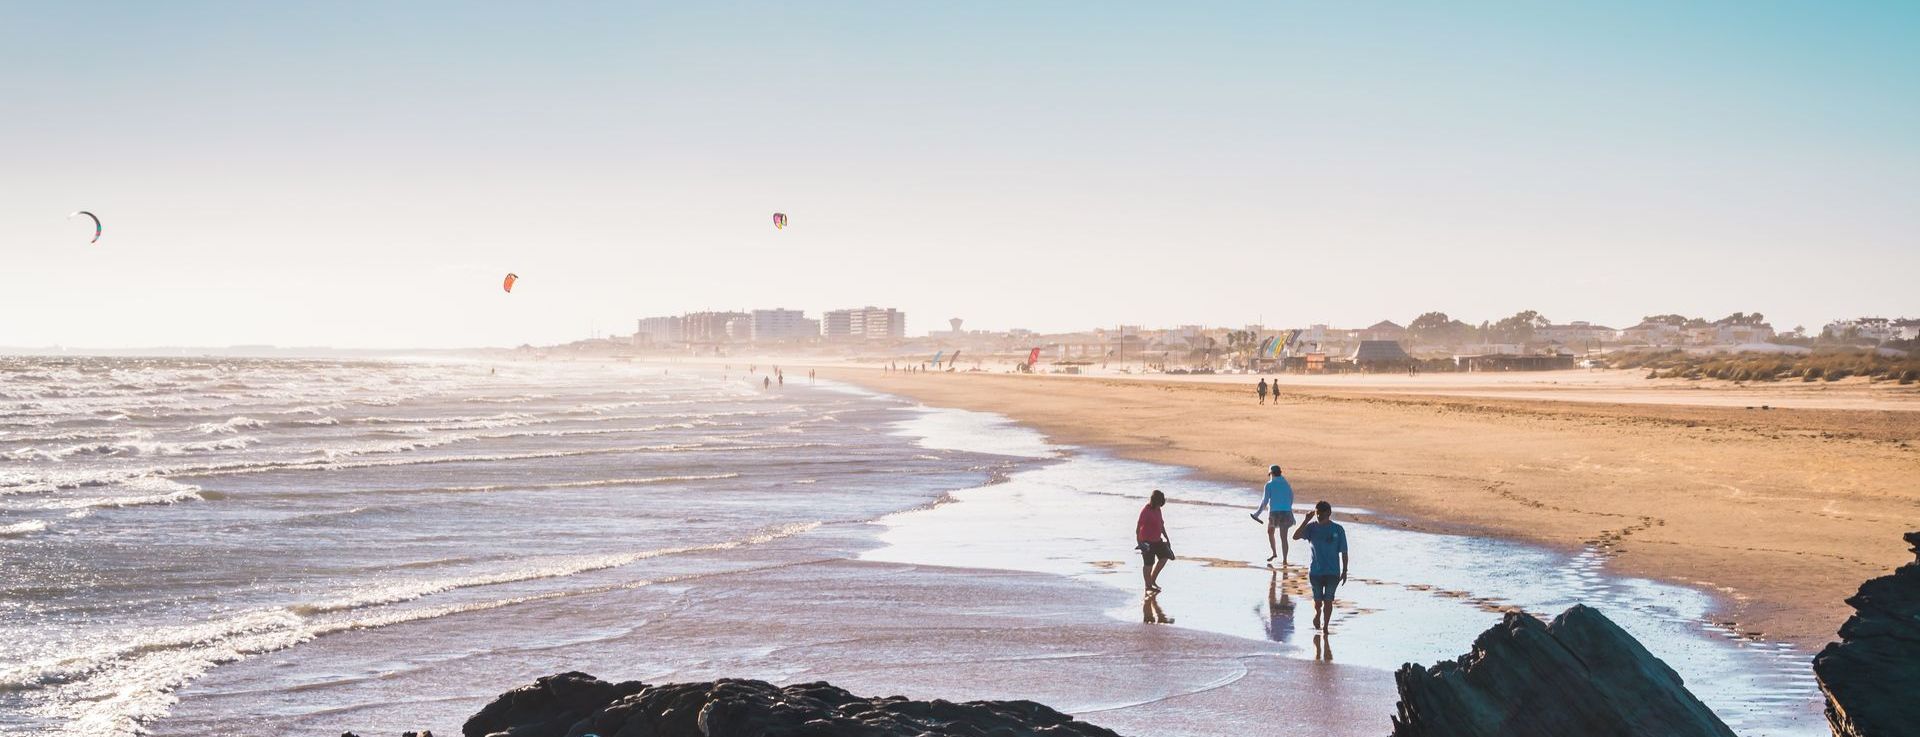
{"x": 1277, "y": 502}
{"x": 1329, "y": 567}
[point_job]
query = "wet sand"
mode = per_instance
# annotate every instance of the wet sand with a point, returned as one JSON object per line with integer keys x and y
{"x": 874, "y": 628}
{"x": 1782, "y": 513}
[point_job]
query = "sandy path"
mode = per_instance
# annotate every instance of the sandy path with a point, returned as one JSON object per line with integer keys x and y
{"x": 1784, "y": 512}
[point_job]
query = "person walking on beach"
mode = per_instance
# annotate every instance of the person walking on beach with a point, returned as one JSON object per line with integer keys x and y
{"x": 1154, "y": 545}
{"x": 1329, "y": 567}
{"x": 1277, "y": 501}
{"x": 1263, "y": 391}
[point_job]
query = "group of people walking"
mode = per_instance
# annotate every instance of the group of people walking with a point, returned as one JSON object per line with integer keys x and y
{"x": 1327, "y": 563}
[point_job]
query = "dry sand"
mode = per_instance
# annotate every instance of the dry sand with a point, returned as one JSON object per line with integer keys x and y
{"x": 1783, "y": 512}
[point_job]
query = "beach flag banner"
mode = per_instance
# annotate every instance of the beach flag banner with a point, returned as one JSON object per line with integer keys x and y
{"x": 1283, "y": 343}
{"x": 1278, "y": 346}
{"x": 951, "y": 359}
{"x": 936, "y": 357}
{"x": 1033, "y": 358}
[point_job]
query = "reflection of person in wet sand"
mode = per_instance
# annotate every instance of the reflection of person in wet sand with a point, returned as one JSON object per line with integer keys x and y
{"x": 1151, "y": 613}
{"x": 1323, "y": 647}
{"x": 1279, "y": 609}
{"x": 1329, "y": 567}
{"x": 1151, "y": 535}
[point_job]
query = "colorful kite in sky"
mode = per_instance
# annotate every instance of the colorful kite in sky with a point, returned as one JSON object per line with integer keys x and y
{"x": 96, "y": 223}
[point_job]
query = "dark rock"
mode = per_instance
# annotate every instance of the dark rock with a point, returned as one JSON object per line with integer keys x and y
{"x": 1581, "y": 675}
{"x": 1872, "y": 675}
{"x": 574, "y": 704}
{"x": 548, "y": 707}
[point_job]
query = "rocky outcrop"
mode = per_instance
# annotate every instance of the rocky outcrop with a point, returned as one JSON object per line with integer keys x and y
{"x": 576, "y": 704}
{"x": 1581, "y": 675}
{"x": 1872, "y": 675}
{"x": 550, "y": 706}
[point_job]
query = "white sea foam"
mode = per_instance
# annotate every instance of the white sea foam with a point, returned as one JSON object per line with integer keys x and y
{"x": 116, "y": 685}
{"x": 232, "y": 425}
{"x": 23, "y": 528}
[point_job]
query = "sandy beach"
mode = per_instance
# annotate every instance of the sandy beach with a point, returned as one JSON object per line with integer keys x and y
{"x": 1781, "y": 512}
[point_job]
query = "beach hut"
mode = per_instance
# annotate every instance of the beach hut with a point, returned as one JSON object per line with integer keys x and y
{"x": 1381, "y": 355}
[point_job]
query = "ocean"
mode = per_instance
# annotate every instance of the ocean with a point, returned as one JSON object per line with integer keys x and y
{"x": 237, "y": 546}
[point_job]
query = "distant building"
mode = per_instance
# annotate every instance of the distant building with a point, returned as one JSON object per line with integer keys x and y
{"x": 660, "y": 331}
{"x": 864, "y": 323}
{"x": 1384, "y": 330}
{"x": 837, "y": 325}
{"x": 1526, "y": 362}
{"x": 767, "y": 326}
{"x": 1876, "y": 329}
{"x": 710, "y": 327}
{"x": 740, "y": 329}
{"x": 957, "y": 332}
{"x": 1653, "y": 334}
{"x": 1576, "y": 333}
{"x": 1906, "y": 329}
{"x": 1741, "y": 334}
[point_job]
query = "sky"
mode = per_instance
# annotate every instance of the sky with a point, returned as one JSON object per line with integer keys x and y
{"x": 363, "y": 174}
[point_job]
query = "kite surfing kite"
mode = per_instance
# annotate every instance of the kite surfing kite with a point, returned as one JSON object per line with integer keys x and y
{"x": 780, "y": 221}
{"x": 96, "y": 223}
{"x": 508, "y": 283}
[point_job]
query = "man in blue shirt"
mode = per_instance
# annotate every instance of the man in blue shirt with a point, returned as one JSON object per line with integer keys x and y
{"x": 1277, "y": 502}
{"x": 1329, "y": 567}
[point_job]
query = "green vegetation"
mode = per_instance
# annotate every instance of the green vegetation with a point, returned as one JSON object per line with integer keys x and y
{"x": 1828, "y": 365}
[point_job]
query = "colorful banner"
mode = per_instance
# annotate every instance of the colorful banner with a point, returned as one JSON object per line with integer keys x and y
{"x": 1033, "y": 358}
{"x": 1279, "y": 346}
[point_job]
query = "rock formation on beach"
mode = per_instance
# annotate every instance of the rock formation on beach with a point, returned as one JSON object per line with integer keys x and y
{"x": 576, "y": 704}
{"x": 1581, "y": 675}
{"x": 1872, "y": 676}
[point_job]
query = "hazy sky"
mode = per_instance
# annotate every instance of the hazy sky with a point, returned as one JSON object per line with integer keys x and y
{"x": 362, "y": 174}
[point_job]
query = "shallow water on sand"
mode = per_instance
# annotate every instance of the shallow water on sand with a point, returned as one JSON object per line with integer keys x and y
{"x": 1412, "y": 596}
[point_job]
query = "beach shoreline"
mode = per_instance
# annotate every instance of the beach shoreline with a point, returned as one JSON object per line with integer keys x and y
{"x": 1779, "y": 514}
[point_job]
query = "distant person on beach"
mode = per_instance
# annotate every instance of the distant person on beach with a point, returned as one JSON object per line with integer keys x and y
{"x": 1329, "y": 567}
{"x": 766, "y": 383}
{"x": 1263, "y": 391}
{"x": 1277, "y": 501}
{"x": 1154, "y": 545}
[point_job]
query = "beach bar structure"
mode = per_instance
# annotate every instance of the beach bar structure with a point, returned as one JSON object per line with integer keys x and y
{"x": 1381, "y": 355}
{"x": 1511, "y": 362}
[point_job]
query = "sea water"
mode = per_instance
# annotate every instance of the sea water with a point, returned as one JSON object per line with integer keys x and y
{"x": 160, "y": 517}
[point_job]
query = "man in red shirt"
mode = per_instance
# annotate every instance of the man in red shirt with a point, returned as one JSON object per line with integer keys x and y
{"x": 1154, "y": 545}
